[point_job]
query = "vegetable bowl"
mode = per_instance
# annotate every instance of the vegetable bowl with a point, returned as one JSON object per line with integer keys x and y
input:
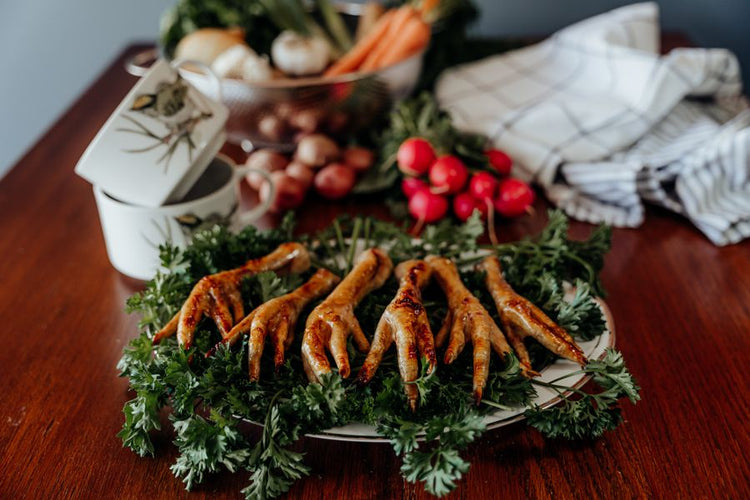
{"x": 277, "y": 112}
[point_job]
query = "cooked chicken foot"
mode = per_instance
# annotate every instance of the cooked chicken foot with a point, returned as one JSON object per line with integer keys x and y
{"x": 278, "y": 318}
{"x": 218, "y": 295}
{"x": 520, "y": 319}
{"x": 404, "y": 322}
{"x": 332, "y": 321}
{"x": 466, "y": 316}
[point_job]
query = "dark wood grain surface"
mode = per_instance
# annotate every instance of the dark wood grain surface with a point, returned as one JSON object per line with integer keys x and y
{"x": 681, "y": 308}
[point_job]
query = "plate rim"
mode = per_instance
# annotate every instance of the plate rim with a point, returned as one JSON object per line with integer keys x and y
{"x": 610, "y": 330}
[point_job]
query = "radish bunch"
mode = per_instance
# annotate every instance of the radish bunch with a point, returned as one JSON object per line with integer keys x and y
{"x": 434, "y": 184}
{"x": 317, "y": 163}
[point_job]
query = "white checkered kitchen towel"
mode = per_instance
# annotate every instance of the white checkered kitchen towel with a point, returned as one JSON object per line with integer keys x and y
{"x": 603, "y": 122}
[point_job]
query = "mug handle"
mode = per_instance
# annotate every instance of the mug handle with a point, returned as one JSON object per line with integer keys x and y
{"x": 211, "y": 74}
{"x": 250, "y": 216}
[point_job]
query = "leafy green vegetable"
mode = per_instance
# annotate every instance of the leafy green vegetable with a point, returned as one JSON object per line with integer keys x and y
{"x": 210, "y": 397}
{"x": 187, "y": 16}
{"x": 205, "y": 446}
{"x": 591, "y": 414}
{"x": 529, "y": 263}
{"x": 420, "y": 116}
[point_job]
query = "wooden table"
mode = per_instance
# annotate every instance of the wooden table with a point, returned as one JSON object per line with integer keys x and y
{"x": 681, "y": 307}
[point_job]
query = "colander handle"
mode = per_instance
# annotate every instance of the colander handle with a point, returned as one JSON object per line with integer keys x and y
{"x": 138, "y": 64}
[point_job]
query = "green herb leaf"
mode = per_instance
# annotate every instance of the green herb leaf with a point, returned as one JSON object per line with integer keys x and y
{"x": 205, "y": 445}
{"x": 593, "y": 413}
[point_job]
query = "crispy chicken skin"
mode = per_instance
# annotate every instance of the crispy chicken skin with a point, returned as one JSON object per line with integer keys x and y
{"x": 466, "y": 317}
{"x": 404, "y": 322}
{"x": 218, "y": 295}
{"x": 277, "y": 318}
{"x": 520, "y": 319}
{"x": 332, "y": 321}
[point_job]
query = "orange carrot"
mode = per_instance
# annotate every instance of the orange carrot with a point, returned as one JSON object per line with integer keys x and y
{"x": 353, "y": 59}
{"x": 395, "y": 32}
{"x": 427, "y": 6}
{"x": 414, "y": 37}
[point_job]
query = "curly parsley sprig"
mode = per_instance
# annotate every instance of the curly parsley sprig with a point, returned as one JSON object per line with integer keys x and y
{"x": 590, "y": 414}
{"x": 210, "y": 397}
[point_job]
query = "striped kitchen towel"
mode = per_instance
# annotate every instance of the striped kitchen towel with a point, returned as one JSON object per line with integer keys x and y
{"x": 604, "y": 123}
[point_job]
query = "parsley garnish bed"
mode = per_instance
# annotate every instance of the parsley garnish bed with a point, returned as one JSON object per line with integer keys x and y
{"x": 209, "y": 398}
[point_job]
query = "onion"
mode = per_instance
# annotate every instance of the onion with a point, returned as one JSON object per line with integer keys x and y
{"x": 205, "y": 45}
{"x": 264, "y": 159}
{"x": 316, "y": 150}
{"x": 271, "y": 128}
{"x": 301, "y": 172}
{"x": 358, "y": 158}
{"x": 289, "y": 192}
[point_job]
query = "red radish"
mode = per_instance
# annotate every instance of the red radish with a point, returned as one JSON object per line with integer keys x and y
{"x": 484, "y": 206}
{"x": 448, "y": 175}
{"x": 427, "y": 207}
{"x": 288, "y": 192}
{"x": 499, "y": 160}
{"x": 514, "y": 198}
{"x": 358, "y": 158}
{"x": 301, "y": 172}
{"x": 415, "y": 156}
{"x": 264, "y": 159}
{"x": 483, "y": 186}
{"x": 335, "y": 181}
{"x": 410, "y": 185}
{"x": 464, "y": 205}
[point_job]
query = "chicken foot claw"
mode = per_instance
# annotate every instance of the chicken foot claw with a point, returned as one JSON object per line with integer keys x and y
{"x": 277, "y": 318}
{"x": 218, "y": 295}
{"x": 332, "y": 321}
{"x": 404, "y": 322}
{"x": 466, "y": 317}
{"x": 523, "y": 319}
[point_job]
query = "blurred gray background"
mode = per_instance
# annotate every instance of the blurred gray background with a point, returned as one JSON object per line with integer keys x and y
{"x": 52, "y": 50}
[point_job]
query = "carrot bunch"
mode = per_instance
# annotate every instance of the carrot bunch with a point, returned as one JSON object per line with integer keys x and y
{"x": 397, "y": 34}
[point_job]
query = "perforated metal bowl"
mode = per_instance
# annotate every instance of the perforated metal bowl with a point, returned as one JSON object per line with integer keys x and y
{"x": 277, "y": 112}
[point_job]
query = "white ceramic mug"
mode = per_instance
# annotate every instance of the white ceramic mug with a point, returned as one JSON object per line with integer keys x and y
{"x": 133, "y": 233}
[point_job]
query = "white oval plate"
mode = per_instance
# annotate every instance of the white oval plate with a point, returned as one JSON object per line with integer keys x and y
{"x": 593, "y": 349}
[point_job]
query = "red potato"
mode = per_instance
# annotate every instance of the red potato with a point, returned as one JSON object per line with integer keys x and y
{"x": 358, "y": 158}
{"x": 301, "y": 172}
{"x": 335, "y": 181}
{"x": 337, "y": 122}
{"x": 316, "y": 150}
{"x": 267, "y": 160}
{"x": 271, "y": 127}
{"x": 288, "y": 193}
